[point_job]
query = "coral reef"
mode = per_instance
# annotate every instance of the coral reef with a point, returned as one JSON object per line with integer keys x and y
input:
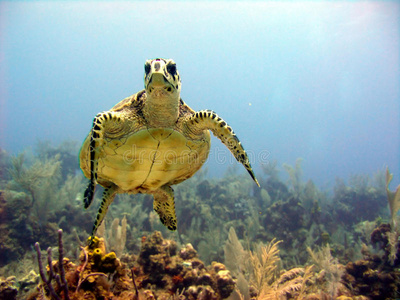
{"x": 376, "y": 274}
{"x": 161, "y": 265}
{"x": 333, "y": 243}
{"x": 159, "y": 271}
{"x": 35, "y": 202}
{"x": 358, "y": 201}
{"x": 8, "y": 289}
{"x": 373, "y": 277}
{"x": 18, "y": 230}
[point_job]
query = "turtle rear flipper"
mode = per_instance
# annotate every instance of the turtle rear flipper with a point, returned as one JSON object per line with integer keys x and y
{"x": 207, "y": 119}
{"x": 164, "y": 205}
{"x": 89, "y": 194}
{"x": 108, "y": 197}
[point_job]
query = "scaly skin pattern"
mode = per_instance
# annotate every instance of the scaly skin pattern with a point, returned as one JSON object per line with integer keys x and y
{"x": 150, "y": 141}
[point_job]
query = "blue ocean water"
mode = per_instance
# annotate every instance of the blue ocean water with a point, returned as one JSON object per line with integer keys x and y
{"x": 316, "y": 80}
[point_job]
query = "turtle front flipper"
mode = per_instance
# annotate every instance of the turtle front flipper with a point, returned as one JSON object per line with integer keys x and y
{"x": 101, "y": 121}
{"x": 108, "y": 197}
{"x": 164, "y": 205}
{"x": 207, "y": 119}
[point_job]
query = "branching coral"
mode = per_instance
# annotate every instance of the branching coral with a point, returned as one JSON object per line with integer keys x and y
{"x": 261, "y": 269}
{"x": 115, "y": 237}
{"x": 387, "y": 239}
{"x": 72, "y": 189}
{"x": 264, "y": 263}
{"x": 67, "y": 152}
{"x": 393, "y": 245}
{"x": 83, "y": 277}
{"x": 59, "y": 278}
{"x": 295, "y": 176}
{"x": 235, "y": 255}
{"x": 40, "y": 180}
{"x": 271, "y": 169}
{"x": 291, "y": 284}
{"x": 333, "y": 272}
{"x": 357, "y": 202}
{"x": 5, "y": 163}
{"x": 30, "y": 178}
{"x": 86, "y": 281}
{"x": 209, "y": 246}
{"x": 393, "y": 198}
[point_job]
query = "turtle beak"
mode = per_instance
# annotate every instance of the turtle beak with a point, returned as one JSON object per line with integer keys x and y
{"x": 158, "y": 79}
{"x": 158, "y": 82}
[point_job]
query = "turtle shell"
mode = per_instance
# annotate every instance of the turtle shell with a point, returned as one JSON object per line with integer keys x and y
{"x": 145, "y": 160}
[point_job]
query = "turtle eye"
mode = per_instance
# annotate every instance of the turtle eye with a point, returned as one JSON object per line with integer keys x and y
{"x": 171, "y": 68}
{"x": 147, "y": 68}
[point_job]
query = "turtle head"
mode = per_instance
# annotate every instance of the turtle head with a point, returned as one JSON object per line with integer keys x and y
{"x": 161, "y": 78}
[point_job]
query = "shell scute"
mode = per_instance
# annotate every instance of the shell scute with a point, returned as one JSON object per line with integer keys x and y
{"x": 150, "y": 158}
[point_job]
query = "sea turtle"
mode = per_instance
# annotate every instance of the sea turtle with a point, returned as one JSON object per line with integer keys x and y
{"x": 150, "y": 141}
